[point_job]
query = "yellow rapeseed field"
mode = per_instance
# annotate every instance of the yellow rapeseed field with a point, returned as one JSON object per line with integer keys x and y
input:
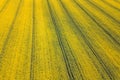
{"x": 59, "y": 39}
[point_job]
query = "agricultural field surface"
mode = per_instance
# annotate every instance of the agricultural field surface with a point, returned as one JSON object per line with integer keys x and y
{"x": 59, "y": 39}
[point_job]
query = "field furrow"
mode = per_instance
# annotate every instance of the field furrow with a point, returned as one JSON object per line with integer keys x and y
{"x": 59, "y": 40}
